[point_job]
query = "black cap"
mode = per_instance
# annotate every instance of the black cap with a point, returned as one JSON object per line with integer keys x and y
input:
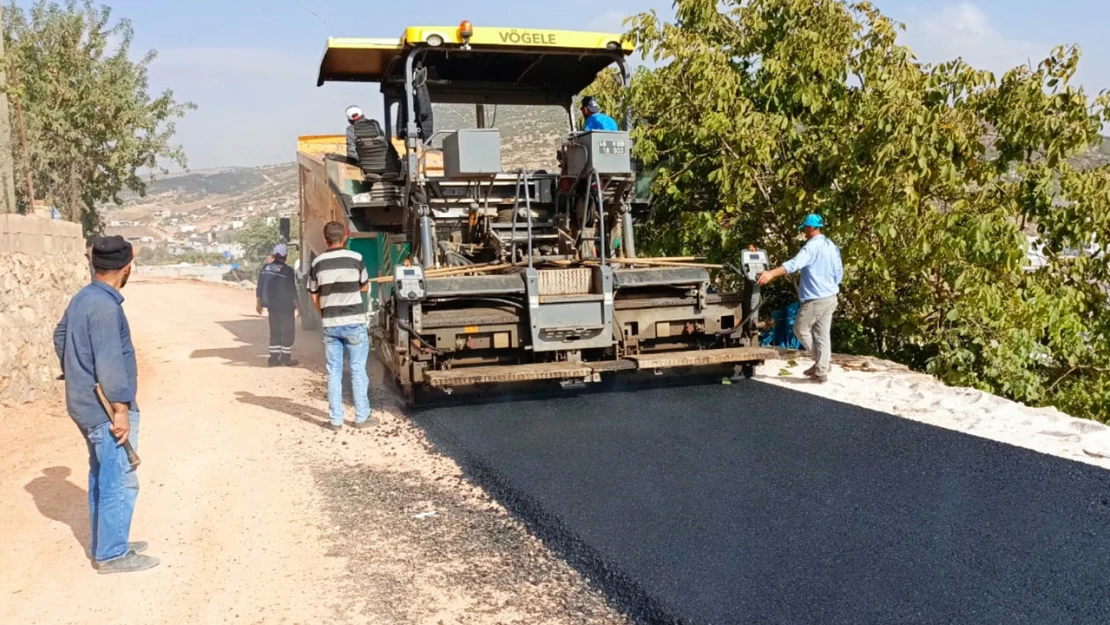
{"x": 590, "y": 104}
{"x": 111, "y": 253}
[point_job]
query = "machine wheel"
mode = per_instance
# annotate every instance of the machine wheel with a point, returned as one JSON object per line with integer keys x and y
{"x": 748, "y": 370}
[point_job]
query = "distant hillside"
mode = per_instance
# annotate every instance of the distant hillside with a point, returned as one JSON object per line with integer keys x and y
{"x": 232, "y": 181}
{"x": 1097, "y": 156}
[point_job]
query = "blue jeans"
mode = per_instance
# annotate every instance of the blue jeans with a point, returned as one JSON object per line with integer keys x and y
{"x": 357, "y": 341}
{"x": 113, "y": 487}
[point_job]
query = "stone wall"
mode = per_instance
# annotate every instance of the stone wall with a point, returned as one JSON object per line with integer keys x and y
{"x": 42, "y": 265}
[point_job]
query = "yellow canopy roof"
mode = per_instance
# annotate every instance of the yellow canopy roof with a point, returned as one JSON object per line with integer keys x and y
{"x": 371, "y": 60}
{"x": 364, "y": 60}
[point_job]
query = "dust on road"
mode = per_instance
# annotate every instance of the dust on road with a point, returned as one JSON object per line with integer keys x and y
{"x": 259, "y": 514}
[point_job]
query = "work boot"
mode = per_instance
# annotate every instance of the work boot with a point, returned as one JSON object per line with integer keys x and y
{"x": 273, "y": 362}
{"x": 368, "y": 423}
{"x": 130, "y": 563}
{"x": 333, "y": 427}
{"x": 811, "y": 372}
{"x": 289, "y": 362}
{"x": 138, "y": 546}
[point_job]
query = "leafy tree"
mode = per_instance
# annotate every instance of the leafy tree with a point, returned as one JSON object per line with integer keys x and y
{"x": 259, "y": 237}
{"x": 760, "y": 111}
{"x": 89, "y": 121}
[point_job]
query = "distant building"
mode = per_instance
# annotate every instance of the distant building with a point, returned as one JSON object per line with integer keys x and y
{"x": 188, "y": 229}
{"x": 163, "y": 214}
{"x": 237, "y": 225}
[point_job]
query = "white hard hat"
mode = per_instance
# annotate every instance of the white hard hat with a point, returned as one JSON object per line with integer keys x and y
{"x": 353, "y": 113}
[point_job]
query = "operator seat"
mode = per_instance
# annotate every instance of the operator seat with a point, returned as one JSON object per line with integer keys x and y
{"x": 376, "y": 156}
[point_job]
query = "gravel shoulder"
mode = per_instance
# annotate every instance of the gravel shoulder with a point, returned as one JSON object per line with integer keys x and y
{"x": 259, "y": 514}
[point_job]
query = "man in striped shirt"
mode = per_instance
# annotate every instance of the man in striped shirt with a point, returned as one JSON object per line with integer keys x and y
{"x": 337, "y": 280}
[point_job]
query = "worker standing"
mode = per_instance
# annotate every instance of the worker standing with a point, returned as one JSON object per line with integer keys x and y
{"x": 93, "y": 343}
{"x": 822, "y": 271}
{"x": 277, "y": 292}
{"x": 595, "y": 119}
{"x": 337, "y": 280}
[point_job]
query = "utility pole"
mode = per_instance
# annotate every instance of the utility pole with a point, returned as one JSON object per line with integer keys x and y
{"x": 7, "y": 155}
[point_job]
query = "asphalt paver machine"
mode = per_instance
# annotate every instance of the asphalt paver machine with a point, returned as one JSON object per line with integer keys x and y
{"x": 492, "y": 273}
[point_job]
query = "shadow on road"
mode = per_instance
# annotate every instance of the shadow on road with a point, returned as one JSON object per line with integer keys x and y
{"x": 61, "y": 500}
{"x": 253, "y": 334}
{"x": 308, "y": 414}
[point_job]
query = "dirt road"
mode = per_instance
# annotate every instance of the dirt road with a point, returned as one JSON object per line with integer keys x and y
{"x": 259, "y": 514}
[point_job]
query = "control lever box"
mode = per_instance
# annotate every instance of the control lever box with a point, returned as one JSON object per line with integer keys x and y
{"x": 607, "y": 152}
{"x": 472, "y": 154}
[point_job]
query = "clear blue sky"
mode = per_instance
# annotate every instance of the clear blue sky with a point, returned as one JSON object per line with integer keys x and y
{"x": 250, "y": 64}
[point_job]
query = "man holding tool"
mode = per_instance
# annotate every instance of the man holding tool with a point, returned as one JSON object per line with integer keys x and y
{"x": 93, "y": 342}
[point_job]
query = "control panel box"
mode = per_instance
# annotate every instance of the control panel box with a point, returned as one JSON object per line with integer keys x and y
{"x": 607, "y": 152}
{"x": 408, "y": 283}
{"x": 472, "y": 154}
{"x": 753, "y": 263}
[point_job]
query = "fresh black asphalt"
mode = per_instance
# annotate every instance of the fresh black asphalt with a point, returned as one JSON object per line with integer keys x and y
{"x": 756, "y": 504}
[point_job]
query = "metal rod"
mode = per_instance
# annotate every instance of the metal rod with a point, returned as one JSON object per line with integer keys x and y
{"x": 516, "y": 207}
{"x": 528, "y": 207}
{"x": 600, "y": 216}
{"x": 427, "y": 253}
{"x": 629, "y": 242}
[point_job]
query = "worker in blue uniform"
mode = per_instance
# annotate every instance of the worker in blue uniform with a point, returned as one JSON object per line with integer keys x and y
{"x": 595, "y": 119}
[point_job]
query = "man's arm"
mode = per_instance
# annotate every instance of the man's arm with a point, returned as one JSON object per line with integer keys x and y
{"x": 767, "y": 276}
{"x": 107, "y": 347}
{"x": 799, "y": 262}
{"x": 314, "y": 289}
{"x": 60, "y": 341}
{"x": 291, "y": 287}
{"x": 352, "y": 150}
{"x": 259, "y": 290}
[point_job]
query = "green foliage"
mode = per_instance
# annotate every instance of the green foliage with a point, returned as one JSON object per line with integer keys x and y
{"x": 761, "y": 111}
{"x": 154, "y": 256}
{"x": 258, "y": 238}
{"x": 201, "y": 258}
{"x": 89, "y": 121}
{"x": 162, "y": 256}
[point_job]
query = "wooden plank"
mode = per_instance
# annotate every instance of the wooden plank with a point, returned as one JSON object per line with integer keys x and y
{"x": 694, "y": 358}
{"x": 506, "y": 373}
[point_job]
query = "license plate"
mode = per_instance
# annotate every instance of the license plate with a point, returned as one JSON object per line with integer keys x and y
{"x": 611, "y": 147}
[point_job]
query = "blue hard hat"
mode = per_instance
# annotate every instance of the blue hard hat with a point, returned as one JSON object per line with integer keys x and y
{"x": 812, "y": 221}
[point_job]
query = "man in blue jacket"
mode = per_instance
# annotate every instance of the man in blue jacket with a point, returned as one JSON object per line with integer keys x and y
{"x": 595, "y": 119}
{"x": 822, "y": 271}
{"x": 93, "y": 343}
{"x": 277, "y": 291}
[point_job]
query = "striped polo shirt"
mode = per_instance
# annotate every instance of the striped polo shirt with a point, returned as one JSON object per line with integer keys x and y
{"x": 338, "y": 277}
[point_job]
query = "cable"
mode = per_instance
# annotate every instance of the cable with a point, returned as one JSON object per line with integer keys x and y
{"x": 314, "y": 13}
